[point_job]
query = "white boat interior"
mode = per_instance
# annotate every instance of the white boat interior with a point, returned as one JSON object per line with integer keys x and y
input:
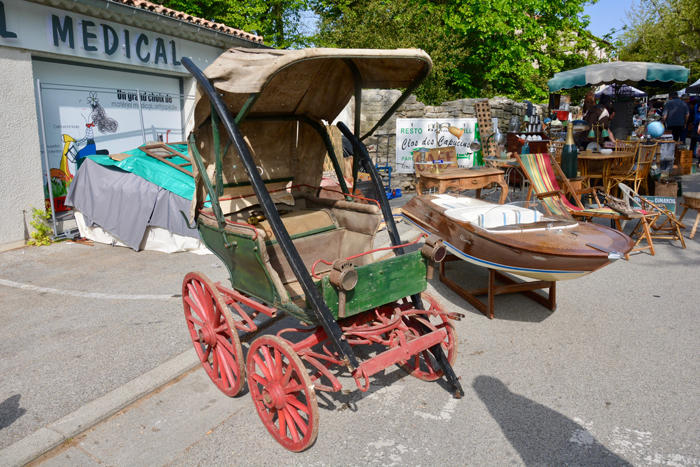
{"x": 499, "y": 217}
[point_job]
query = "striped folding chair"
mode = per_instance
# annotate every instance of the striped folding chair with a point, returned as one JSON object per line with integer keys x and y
{"x": 542, "y": 171}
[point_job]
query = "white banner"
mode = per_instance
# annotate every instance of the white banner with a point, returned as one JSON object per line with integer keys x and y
{"x": 416, "y": 133}
{"x": 81, "y": 118}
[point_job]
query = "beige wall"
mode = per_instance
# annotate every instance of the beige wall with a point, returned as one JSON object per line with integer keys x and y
{"x": 20, "y": 162}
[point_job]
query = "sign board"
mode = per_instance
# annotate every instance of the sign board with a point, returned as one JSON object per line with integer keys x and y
{"x": 33, "y": 26}
{"x": 81, "y": 118}
{"x": 416, "y": 133}
{"x": 668, "y": 202}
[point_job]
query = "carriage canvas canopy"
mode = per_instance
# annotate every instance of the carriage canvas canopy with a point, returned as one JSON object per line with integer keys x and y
{"x": 276, "y": 89}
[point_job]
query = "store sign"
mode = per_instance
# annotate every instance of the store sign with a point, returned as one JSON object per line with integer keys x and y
{"x": 668, "y": 202}
{"x": 36, "y": 27}
{"x": 417, "y": 133}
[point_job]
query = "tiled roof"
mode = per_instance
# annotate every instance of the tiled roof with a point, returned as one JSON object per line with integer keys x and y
{"x": 169, "y": 12}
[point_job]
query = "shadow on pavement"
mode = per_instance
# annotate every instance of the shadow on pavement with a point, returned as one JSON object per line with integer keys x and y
{"x": 541, "y": 436}
{"x": 10, "y": 411}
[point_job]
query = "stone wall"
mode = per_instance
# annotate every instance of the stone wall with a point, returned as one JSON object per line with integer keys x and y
{"x": 382, "y": 145}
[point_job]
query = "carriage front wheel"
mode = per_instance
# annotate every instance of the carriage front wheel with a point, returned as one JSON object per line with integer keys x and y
{"x": 213, "y": 334}
{"x": 282, "y": 392}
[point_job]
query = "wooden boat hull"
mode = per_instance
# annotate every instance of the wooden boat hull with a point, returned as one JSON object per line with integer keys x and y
{"x": 547, "y": 253}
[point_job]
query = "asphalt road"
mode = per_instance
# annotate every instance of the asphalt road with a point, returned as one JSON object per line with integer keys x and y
{"x": 79, "y": 321}
{"x": 609, "y": 378}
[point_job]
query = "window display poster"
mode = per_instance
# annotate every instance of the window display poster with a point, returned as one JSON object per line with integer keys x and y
{"x": 417, "y": 133}
{"x": 93, "y": 111}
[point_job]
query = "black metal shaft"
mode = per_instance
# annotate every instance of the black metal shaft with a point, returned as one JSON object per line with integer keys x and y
{"x": 319, "y": 307}
{"x": 396, "y": 240}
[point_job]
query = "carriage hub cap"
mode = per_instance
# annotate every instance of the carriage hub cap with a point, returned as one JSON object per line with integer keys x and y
{"x": 208, "y": 335}
{"x": 274, "y": 396}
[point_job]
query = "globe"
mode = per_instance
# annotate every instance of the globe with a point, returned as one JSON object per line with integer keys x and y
{"x": 655, "y": 129}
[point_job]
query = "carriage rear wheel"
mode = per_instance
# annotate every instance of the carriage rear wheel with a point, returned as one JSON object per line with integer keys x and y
{"x": 282, "y": 392}
{"x": 213, "y": 334}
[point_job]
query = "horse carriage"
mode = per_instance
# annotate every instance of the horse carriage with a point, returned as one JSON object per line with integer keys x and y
{"x": 259, "y": 142}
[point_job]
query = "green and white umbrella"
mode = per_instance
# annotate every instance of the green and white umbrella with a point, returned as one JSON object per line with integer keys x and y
{"x": 618, "y": 72}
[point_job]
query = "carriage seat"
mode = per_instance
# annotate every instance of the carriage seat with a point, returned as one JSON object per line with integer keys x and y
{"x": 302, "y": 223}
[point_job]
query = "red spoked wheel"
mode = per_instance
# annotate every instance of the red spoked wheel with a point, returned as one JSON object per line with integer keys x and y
{"x": 282, "y": 392}
{"x": 213, "y": 333}
{"x": 424, "y": 365}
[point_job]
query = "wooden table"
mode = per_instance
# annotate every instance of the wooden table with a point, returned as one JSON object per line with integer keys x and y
{"x": 585, "y": 156}
{"x": 691, "y": 200}
{"x": 463, "y": 179}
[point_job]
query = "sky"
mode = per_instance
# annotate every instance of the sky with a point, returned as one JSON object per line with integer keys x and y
{"x": 608, "y": 14}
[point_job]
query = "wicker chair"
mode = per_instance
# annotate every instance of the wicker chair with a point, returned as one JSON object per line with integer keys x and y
{"x": 555, "y": 149}
{"x": 635, "y": 171}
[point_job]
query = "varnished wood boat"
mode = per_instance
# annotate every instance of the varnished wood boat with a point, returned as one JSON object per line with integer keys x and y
{"x": 517, "y": 239}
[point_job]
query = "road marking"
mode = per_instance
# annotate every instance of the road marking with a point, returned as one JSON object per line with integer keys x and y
{"x": 638, "y": 444}
{"x": 78, "y": 293}
{"x": 445, "y": 414}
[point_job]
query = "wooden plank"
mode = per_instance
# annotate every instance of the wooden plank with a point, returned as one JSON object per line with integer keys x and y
{"x": 163, "y": 153}
{"x": 483, "y": 118}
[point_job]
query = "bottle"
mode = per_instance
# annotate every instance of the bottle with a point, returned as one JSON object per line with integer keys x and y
{"x": 569, "y": 154}
{"x": 478, "y": 154}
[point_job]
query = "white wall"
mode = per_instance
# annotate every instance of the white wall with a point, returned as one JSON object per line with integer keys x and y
{"x": 20, "y": 166}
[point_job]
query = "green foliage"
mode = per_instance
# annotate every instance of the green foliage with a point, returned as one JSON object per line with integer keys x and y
{"x": 42, "y": 231}
{"x": 480, "y": 48}
{"x": 278, "y": 21}
{"x": 664, "y": 31}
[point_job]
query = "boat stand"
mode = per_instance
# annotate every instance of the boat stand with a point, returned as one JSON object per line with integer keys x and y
{"x": 512, "y": 285}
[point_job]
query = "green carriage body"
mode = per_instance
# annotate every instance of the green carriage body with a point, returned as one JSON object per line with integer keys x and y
{"x": 378, "y": 283}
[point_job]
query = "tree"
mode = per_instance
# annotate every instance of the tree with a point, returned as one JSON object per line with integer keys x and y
{"x": 279, "y": 22}
{"x": 480, "y": 48}
{"x": 394, "y": 24}
{"x": 664, "y": 31}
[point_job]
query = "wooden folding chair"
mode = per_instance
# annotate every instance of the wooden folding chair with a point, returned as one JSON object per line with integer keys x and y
{"x": 669, "y": 229}
{"x": 540, "y": 170}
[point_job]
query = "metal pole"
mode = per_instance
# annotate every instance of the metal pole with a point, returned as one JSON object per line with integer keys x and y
{"x": 143, "y": 130}
{"x": 47, "y": 169}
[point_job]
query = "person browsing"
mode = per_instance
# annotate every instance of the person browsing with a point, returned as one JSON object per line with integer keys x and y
{"x": 675, "y": 115}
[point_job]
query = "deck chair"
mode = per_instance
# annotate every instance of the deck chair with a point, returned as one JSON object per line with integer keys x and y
{"x": 667, "y": 229}
{"x": 540, "y": 170}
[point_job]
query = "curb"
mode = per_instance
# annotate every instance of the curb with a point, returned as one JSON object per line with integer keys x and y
{"x": 51, "y": 436}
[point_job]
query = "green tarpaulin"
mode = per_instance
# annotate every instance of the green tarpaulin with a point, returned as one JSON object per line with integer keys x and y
{"x": 155, "y": 171}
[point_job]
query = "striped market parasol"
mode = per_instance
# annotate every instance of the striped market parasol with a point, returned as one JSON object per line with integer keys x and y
{"x": 618, "y": 72}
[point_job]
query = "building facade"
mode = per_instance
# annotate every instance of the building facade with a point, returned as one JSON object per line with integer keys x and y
{"x": 101, "y": 76}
